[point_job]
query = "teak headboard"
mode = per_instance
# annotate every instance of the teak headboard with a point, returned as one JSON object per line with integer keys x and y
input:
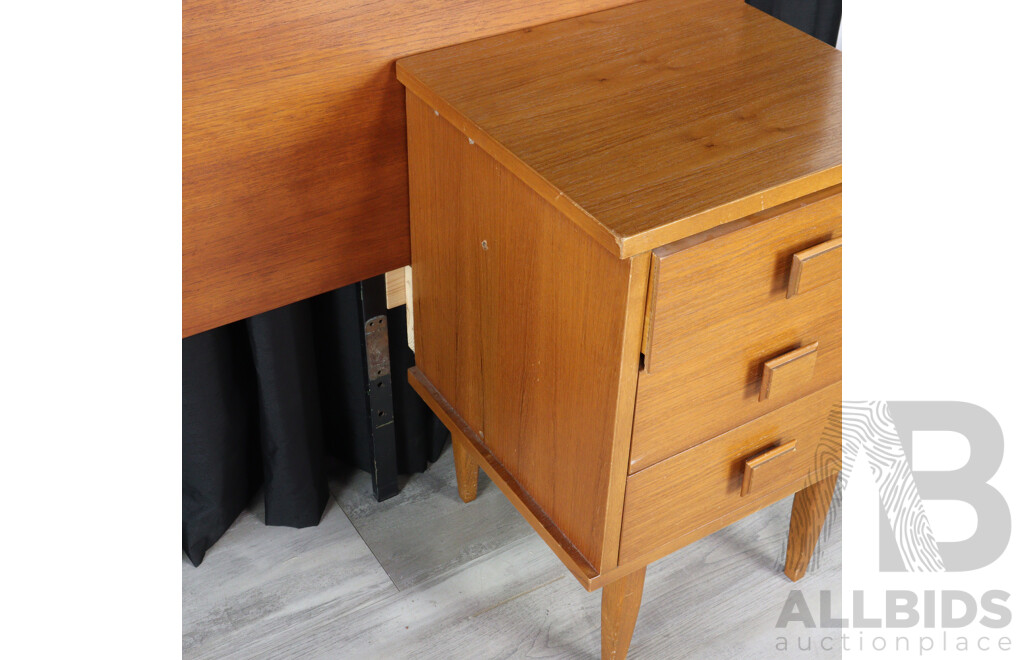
{"x": 293, "y": 140}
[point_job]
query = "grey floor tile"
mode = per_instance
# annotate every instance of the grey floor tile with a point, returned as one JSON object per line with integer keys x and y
{"x": 258, "y": 581}
{"x": 476, "y": 582}
{"x": 426, "y": 530}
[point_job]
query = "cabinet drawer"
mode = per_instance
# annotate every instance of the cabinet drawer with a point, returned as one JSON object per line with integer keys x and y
{"x": 742, "y": 319}
{"x": 746, "y": 469}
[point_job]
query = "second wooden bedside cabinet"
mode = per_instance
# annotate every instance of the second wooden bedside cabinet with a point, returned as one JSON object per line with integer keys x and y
{"x": 626, "y": 258}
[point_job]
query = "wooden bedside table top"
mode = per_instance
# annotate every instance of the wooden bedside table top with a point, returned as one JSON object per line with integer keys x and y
{"x": 649, "y": 122}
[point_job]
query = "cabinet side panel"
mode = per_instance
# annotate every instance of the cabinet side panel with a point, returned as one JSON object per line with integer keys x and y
{"x": 446, "y": 264}
{"x": 552, "y": 307}
{"x": 555, "y": 304}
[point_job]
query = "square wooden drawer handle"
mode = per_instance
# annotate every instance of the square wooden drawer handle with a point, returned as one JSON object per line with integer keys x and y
{"x": 788, "y": 372}
{"x": 816, "y": 266}
{"x": 771, "y": 467}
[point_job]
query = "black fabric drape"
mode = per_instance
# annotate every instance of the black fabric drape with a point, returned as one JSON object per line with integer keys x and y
{"x": 818, "y": 18}
{"x": 272, "y": 400}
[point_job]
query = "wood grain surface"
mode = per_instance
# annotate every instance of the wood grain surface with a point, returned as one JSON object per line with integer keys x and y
{"x": 580, "y": 567}
{"x": 816, "y": 266}
{"x": 466, "y": 470}
{"x": 767, "y": 468}
{"x": 720, "y": 312}
{"x": 649, "y": 122}
{"x": 395, "y": 281}
{"x": 620, "y": 604}
{"x": 810, "y": 508}
{"x": 692, "y": 489}
{"x": 447, "y": 274}
{"x": 788, "y": 373}
{"x": 530, "y": 329}
{"x": 293, "y": 140}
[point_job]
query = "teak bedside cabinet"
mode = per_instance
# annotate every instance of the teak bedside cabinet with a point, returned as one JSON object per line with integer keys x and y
{"x": 626, "y": 260}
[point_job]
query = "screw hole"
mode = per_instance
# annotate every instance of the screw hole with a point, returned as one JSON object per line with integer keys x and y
{"x": 380, "y": 413}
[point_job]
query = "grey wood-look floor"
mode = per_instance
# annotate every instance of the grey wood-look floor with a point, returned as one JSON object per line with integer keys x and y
{"x": 425, "y": 576}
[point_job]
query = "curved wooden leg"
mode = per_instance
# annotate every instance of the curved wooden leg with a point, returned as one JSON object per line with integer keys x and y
{"x": 620, "y": 603}
{"x": 810, "y": 506}
{"x": 466, "y": 471}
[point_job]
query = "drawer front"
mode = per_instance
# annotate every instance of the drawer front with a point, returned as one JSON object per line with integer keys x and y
{"x": 742, "y": 319}
{"x": 745, "y": 469}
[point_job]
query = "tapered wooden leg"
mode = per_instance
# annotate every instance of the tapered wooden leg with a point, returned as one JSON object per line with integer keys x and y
{"x": 466, "y": 471}
{"x": 810, "y": 506}
{"x": 620, "y": 602}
